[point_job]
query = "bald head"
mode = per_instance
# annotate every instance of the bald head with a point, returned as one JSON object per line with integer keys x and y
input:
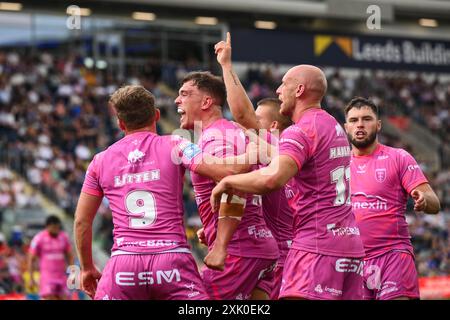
{"x": 312, "y": 78}
{"x": 302, "y": 87}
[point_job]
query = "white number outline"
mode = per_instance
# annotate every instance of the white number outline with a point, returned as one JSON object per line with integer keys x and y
{"x": 341, "y": 185}
{"x": 136, "y": 216}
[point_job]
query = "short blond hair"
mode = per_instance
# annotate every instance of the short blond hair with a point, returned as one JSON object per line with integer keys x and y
{"x": 275, "y": 104}
{"x": 134, "y": 105}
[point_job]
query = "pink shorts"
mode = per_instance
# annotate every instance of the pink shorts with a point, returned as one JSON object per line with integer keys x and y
{"x": 390, "y": 276}
{"x": 319, "y": 277}
{"x": 277, "y": 278}
{"x": 164, "y": 276}
{"x": 240, "y": 277}
{"x": 278, "y": 273}
{"x": 49, "y": 285}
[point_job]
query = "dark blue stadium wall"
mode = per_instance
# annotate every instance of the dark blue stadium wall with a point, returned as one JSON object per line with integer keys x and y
{"x": 341, "y": 50}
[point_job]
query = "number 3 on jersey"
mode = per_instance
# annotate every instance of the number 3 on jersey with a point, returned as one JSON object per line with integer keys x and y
{"x": 141, "y": 203}
{"x": 341, "y": 176}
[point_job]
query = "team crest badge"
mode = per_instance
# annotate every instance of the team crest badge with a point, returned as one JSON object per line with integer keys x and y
{"x": 380, "y": 175}
{"x": 135, "y": 156}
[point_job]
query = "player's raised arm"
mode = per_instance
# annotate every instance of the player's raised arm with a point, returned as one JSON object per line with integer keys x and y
{"x": 240, "y": 105}
{"x": 425, "y": 199}
{"x": 84, "y": 216}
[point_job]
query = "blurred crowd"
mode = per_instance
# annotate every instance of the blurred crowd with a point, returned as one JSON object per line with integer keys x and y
{"x": 13, "y": 264}
{"x": 432, "y": 249}
{"x": 425, "y": 98}
{"x": 54, "y": 116}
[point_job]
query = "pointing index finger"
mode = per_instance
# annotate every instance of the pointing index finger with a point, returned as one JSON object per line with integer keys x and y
{"x": 228, "y": 38}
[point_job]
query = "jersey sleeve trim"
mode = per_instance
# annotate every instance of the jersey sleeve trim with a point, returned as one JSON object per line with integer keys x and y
{"x": 92, "y": 192}
{"x": 292, "y": 156}
{"x": 415, "y": 185}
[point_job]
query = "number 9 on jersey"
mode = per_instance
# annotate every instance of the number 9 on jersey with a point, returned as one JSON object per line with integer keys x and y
{"x": 141, "y": 203}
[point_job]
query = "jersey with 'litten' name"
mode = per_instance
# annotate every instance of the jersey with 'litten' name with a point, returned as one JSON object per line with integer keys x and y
{"x": 323, "y": 219}
{"x": 380, "y": 184}
{"x": 142, "y": 177}
{"x": 252, "y": 239}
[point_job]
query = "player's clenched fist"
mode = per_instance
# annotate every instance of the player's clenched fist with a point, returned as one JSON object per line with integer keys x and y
{"x": 89, "y": 280}
{"x": 215, "y": 259}
{"x": 420, "y": 202}
{"x": 201, "y": 236}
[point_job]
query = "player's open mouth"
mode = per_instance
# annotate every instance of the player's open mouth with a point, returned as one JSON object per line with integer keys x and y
{"x": 360, "y": 134}
{"x": 181, "y": 112}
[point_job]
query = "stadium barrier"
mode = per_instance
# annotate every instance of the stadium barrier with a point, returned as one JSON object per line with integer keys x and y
{"x": 437, "y": 287}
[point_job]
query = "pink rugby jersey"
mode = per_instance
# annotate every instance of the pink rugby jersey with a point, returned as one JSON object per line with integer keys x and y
{"x": 51, "y": 252}
{"x": 323, "y": 219}
{"x": 252, "y": 239}
{"x": 279, "y": 219}
{"x": 380, "y": 184}
{"x": 278, "y": 214}
{"x": 142, "y": 177}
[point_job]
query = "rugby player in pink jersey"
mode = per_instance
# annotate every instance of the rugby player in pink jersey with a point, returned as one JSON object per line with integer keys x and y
{"x": 325, "y": 260}
{"x": 251, "y": 250}
{"x": 142, "y": 177}
{"x": 268, "y": 122}
{"x": 382, "y": 178}
{"x": 53, "y": 250}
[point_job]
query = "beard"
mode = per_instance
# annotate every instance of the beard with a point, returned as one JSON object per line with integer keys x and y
{"x": 286, "y": 110}
{"x": 364, "y": 143}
